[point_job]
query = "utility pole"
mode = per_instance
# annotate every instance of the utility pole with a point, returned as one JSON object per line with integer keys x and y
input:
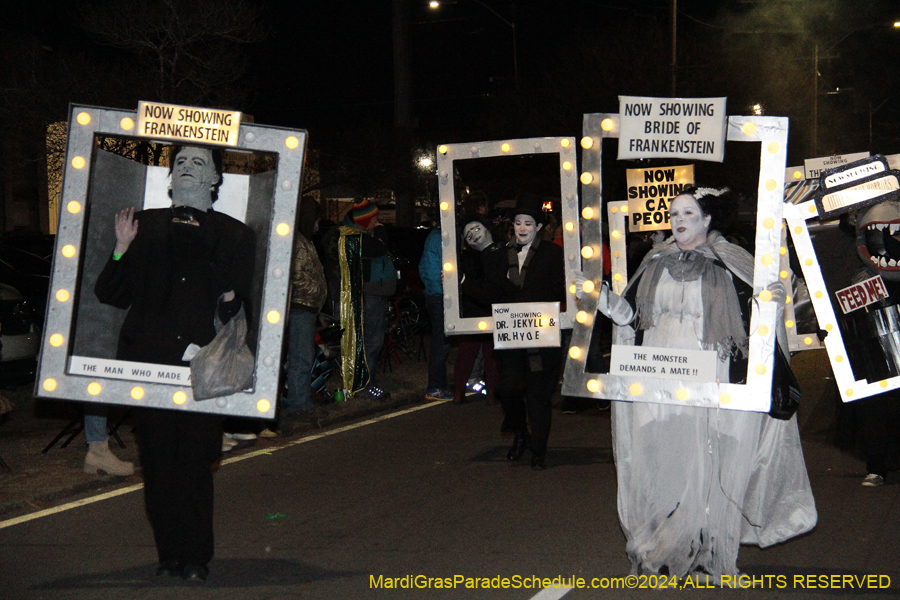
{"x": 674, "y": 66}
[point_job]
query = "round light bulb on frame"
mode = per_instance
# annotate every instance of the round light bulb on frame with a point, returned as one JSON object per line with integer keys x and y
{"x": 765, "y": 295}
{"x": 567, "y": 166}
{"x": 126, "y": 124}
{"x": 63, "y": 295}
{"x": 505, "y": 147}
{"x": 587, "y": 212}
{"x": 570, "y": 226}
{"x": 575, "y": 352}
{"x": 442, "y": 149}
{"x": 94, "y": 388}
{"x": 292, "y": 142}
{"x": 68, "y": 251}
{"x": 445, "y": 205}
{"x": 607, "y": 124}
{"x": 179, "y": 398}
{"x": 586, "y": 178}
{"x": 482, "y": 325}
{"x": 587, "y": 142}
{"x": 137, "y": 392}
{"x": 587, "y": 252}
{"x": 564, "y": 142}
{"x": 273, "y": 316}
{"x": 263, "y": 405}
{"x": 56, "y": 340}
{"x": 83, "y": 118}
{"x": 49, "y": 385}
{"x": 581, "y": 316}
{"x": 635, "y": 389}
{"x": 593, "y": 386}
{"x": 78, "y": 162}
{"x": 789, "y": 324}
{"x": 283, "y": 229}
{"x": 74, "y": 207}
{"x": 588, "y": 286}
{"x": 448, "y": 267}
{"x": 682, "y": 394}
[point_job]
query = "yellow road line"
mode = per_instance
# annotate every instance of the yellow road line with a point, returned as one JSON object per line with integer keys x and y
{"x": 133, "y": 488}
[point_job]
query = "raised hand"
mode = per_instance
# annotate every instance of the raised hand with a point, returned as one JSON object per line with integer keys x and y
{"x": 126, "y": 230}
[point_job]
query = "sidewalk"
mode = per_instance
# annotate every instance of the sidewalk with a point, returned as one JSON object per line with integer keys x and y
{"x": 39, "y": 481}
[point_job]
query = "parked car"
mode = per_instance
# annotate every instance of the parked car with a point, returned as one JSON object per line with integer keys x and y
{"x": 20, "y": 337}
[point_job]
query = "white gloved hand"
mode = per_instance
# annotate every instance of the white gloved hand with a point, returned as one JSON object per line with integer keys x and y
{"x": 603, "y": 300}
{"x": 778, "y": 292}
{"x": 579, "y": 285}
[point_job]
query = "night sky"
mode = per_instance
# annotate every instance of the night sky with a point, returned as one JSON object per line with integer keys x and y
{"x": 328, "y": 65}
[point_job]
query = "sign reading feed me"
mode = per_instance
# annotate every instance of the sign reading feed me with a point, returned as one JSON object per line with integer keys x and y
{"x": 663, "y": 363}
{"x": 526, "y": 325}
{"x": 692, "y": 128}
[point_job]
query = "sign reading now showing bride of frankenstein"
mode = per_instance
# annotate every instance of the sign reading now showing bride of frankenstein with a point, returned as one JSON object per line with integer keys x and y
{"x": 526, "y": 325}
{"x": 692, "y": 128}
{"x": 188, "y": 124}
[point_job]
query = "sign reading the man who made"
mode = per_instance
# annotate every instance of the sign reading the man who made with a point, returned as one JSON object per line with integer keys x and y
{"x": 692, "y": 128}
{"x": 526, "y": 325}
{"x": 188, "y": 124}
{"x": 663, "y": 363}
{"x": 861, "y": 294}
{"x": 650, "y": 191}
{"x": 129, "y": 371}
{"x": 856, "y": 185}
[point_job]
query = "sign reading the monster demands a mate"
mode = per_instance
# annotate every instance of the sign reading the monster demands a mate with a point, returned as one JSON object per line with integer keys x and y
{"x": 692, "y": 128}
{"x": 188, "y": 124}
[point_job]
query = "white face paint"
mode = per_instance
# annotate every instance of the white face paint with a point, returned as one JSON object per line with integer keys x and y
{"x": 689, "y": 225}
{"x": 477, "y": 235}
{"x": 525, "y": 229}
{"x": 193, "y": 176}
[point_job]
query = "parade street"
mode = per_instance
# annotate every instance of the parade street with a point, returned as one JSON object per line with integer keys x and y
{"x": 421, "y": 498}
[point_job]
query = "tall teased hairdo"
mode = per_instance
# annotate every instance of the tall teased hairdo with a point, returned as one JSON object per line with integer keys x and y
{"x": 217, "y": 163}
{"x": 720, "y": 204}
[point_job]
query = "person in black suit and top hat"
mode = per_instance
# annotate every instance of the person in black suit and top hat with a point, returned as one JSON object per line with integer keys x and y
{"x": 529, "y": 270}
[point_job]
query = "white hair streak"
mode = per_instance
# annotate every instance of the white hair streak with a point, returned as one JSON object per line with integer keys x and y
{"x": 708, "y": 191}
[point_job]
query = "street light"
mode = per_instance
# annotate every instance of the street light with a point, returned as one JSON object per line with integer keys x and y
{"x": 511, "y": 23}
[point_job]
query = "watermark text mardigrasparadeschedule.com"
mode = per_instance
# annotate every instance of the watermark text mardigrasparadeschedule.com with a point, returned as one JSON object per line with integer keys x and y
{"x": 743, "y": 581}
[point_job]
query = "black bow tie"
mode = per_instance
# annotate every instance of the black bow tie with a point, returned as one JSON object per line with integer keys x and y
{"x": 519, "y": 247}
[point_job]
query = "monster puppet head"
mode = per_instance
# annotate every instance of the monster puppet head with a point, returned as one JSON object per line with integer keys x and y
{"x": 878, "y": 239}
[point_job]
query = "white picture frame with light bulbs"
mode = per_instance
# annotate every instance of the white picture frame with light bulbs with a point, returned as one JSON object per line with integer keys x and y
{"x": 454, "y": 324}
{"x": 754, "y": 395}
{"x": 274, "y": 229}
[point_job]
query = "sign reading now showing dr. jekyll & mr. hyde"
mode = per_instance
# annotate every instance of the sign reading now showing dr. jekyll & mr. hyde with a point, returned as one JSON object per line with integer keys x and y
{"x": 650, "y": 191}
{"x": 663, "y": 363}
{"x": 526, "y": 325}
{"x": 692, "y": 128}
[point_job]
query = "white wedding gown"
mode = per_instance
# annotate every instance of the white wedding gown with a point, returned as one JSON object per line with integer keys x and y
{"x": 693, "y": 482}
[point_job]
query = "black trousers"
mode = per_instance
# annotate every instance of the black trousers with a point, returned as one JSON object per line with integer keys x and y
{"x": 881, "y": 431}
{"x": 177, "y": 451}
{"x": 527, "y": 382}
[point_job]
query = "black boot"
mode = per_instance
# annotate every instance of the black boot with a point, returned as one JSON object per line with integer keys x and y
{"x": 520, "y": 443}
{"x": 538, "y": 463}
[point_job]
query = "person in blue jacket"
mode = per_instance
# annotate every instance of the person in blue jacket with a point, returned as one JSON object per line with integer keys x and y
{"x": 431, "y": 274}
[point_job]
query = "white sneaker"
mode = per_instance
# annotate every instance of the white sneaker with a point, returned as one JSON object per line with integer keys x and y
{"x": 873, "y": 480}
{"x": 228, "y": 443}
{"x": 241, "y": 436}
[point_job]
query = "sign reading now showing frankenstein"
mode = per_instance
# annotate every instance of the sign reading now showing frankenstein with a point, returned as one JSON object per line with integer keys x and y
{"x": 650, "y": 191}
{"x": 526, "y": 325}
{"x": 692, "y": 128}
{"x": 188, "y": 124}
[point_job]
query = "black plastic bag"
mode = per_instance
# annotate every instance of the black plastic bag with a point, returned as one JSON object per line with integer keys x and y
{"x": 785, "y": 389}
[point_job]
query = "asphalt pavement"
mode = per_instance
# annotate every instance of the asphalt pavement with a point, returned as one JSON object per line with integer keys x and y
{"x": 411, "y": 494}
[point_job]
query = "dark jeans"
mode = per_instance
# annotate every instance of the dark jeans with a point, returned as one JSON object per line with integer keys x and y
{"x": 440, "y": 349}
{"x": 177, "y": 452}
{"x": 374, "y": 314}
{"x": 526, "y": 386}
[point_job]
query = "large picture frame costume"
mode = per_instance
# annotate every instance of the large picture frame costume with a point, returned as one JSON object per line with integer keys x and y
{"x": 77, "y": 360}
{"x": 800, "y": 215}
{"x": 448, "y": 154}
{"x": 754, "y": 395}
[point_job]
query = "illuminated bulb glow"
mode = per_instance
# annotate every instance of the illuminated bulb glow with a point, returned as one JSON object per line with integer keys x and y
{"x": 292, "y": 142}
{"x": 126, "y": 124}
{"x": 765, "y": 295}
{"x": 587, "y": 252}
{"x": 575, "y": 352}
{"x": 179, "y": 398}
{"x": 94, "y": 388}
{"x": 819, "y": 294}
{"x": 567, "y": 166}
{"x": 83, "y": 118}
{"x": 839, "y": 358}
{"x": 616, "y": 234}
{"x": 56, "y": 340}
{"x": 137, "y": 392}
{"x": 49, "y": 385}
{"x": 760, "y": 369}
{"x": 807, "y": 341}
{"x": 617, "y": 277}
{"x": 634, "y": 389}
{"x": 570, "y": 226}
{"x": 883, "y": 383}
{"x": 798, "y": 175}
{"x": 789, "y": 324}
{"x": 682, "y": 394}
{"x": 586, "y": 178}
{"x": 784, "y": 274}
{"x": 442, "y": 149}
{"x": 63, "y": 295}
{"x": 593, "y": 386}
{"x": 572, "y": 289}
{"x": 505, "y": 147}
{"x": 73, "y": 207}
{"x": 762, "y": 330}
{"x": 448, "y": 267}
{"x": 829, "y": 327}
{"x": 773, "y": 147}
{"x": 263, "y": 405}
{"x": 849, "y": 393}
{"x": 78, "y": 162}
{"x": 771, "y": 185}
{"x": 68, "y": 251}
{"x": 768, "y": 222}
{"x": 724, "y": 398}
{"x": 766, "y": 259}
{"x": 588, "y": 286}
{"x": 782, "y": 251}
{"x": 749, "y": 128}
{"x": 607, "y": 124}
{"x": 273, "y": 316}
{"x": 587, "y": 142}
{"x": 587, "y": 212}
{"x": 482, "y": 325}
{"x": 283, "y": 229}
{"x": 564, "y": 142}
{"x": 808, "y": 262}
{"x": 445, "y": 205}
{"x": 614, "y": 209}
{"x": 581, "y": 316}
